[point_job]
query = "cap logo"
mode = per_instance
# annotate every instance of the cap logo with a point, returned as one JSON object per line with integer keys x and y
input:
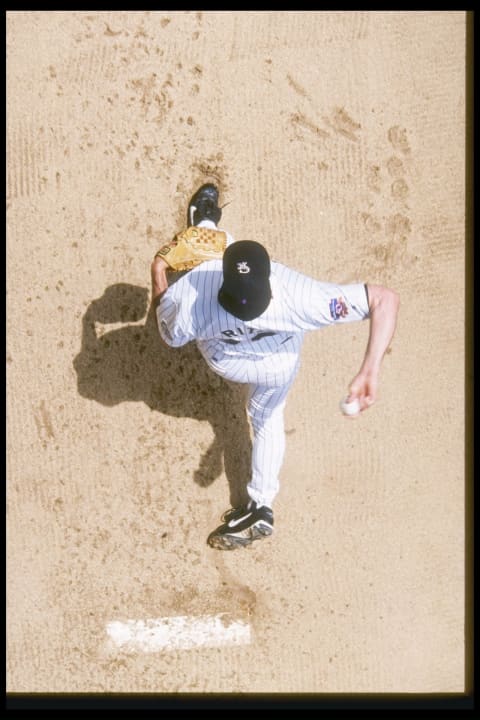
{"x": 243, "y": 267}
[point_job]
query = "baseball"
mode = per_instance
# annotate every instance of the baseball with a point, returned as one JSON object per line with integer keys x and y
{"x": 350, "y": 408}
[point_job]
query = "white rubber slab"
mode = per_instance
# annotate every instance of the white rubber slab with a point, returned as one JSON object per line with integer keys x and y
{"x": 178, "y": 633}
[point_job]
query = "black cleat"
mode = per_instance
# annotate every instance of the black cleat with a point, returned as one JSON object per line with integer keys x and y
{"x": 204, "y": 206}
{"x": 242, "y": 526}
{"x": 237, "y": 512}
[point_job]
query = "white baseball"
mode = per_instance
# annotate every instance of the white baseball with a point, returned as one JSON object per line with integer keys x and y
{"x": 350, "y": 408}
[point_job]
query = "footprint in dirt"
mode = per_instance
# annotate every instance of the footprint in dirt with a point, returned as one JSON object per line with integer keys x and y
{"x": 398, "y": 139}
{"x": 131, "y": 363}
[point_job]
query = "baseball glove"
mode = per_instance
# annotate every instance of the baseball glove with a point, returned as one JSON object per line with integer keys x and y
{"x": 193, "y": 246}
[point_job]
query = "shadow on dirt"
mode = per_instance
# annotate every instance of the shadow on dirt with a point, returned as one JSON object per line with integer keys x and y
{"x": 132, "y": 363}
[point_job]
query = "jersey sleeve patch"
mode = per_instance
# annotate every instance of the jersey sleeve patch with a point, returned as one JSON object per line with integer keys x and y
{"x": 338, "y": 308}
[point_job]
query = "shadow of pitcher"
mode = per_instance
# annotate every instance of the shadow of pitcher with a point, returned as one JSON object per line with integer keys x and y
{"x": 132, "y": 363}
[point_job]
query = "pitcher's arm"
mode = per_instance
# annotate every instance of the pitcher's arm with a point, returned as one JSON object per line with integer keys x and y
{"x": 383, "y": 304}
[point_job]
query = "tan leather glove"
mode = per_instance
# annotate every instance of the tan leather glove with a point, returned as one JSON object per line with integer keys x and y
{"x": 193, "y": 246}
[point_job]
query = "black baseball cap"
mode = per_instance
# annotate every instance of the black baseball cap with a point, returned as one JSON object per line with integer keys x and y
{"x": 246, "y": 291}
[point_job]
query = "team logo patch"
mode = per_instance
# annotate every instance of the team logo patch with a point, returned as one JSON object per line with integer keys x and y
{"x": 243, "y": 267}
{"x": 338, "y": 308}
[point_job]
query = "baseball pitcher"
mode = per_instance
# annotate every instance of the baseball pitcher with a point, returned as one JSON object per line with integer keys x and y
{"x": 248, "y": 316}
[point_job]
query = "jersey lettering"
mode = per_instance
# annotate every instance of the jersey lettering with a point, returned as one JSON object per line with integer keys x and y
{"x": 261, "y": 335}
{"x": 231, "y": 334}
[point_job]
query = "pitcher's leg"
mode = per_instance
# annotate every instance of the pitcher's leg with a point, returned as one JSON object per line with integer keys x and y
{"x": 267, "y": 394}
{"x": 266, "y": 412}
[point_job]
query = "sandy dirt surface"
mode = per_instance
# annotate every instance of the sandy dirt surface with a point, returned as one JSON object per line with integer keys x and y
{"x": 337, "y": 140}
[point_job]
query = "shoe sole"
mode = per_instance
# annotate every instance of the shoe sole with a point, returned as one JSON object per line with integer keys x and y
{"x": 211, "y": 194}
{"x": 209, "y": 190}
{"x": 231, "y": 542}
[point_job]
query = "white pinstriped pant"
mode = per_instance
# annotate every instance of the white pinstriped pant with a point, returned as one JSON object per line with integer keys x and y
{"x": 265, "y": 408}
{"x": 268, "y": 382}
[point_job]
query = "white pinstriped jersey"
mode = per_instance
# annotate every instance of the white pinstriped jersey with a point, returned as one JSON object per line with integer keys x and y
{"x": 190, "y": 310}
